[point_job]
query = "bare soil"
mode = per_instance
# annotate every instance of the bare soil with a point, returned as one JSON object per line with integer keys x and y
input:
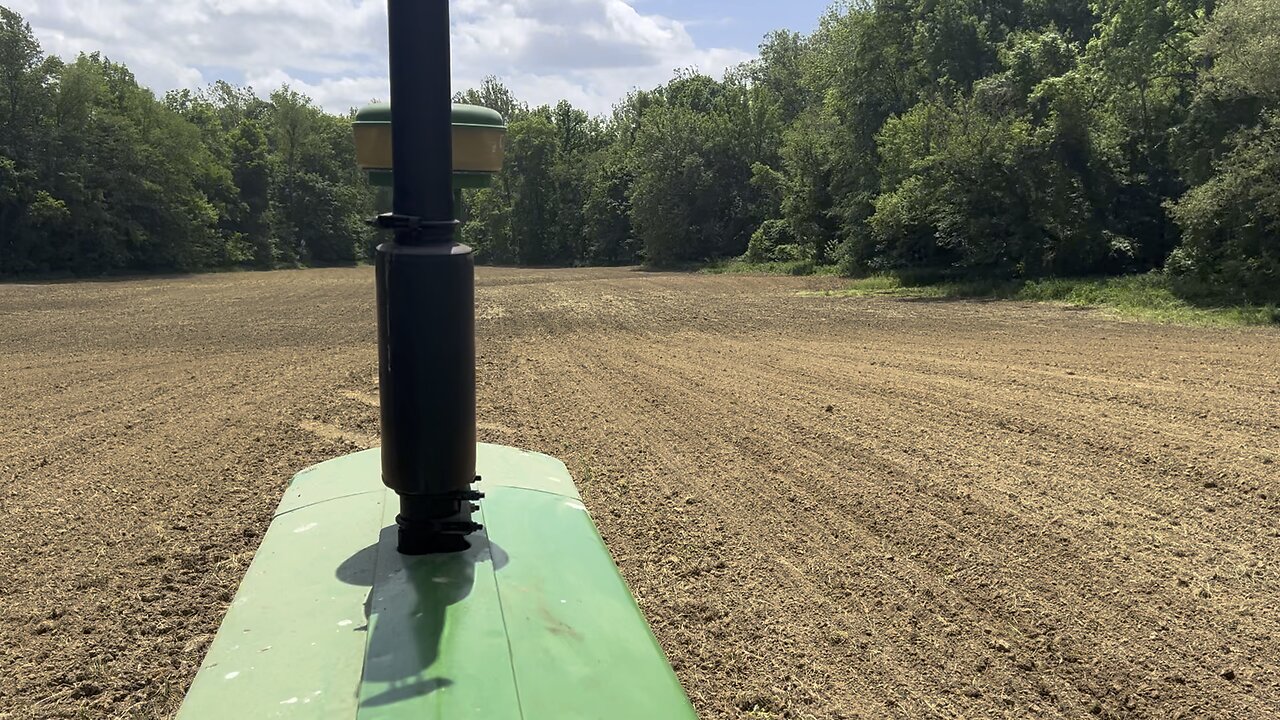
{"x": 827, "y": 508}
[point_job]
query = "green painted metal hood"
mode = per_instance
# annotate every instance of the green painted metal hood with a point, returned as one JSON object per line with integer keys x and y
{"x": 533, "y": 622}
{"x": 464, "y": 115}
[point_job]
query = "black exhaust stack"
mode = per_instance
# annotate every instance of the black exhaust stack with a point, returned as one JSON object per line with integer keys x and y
{"x": 426, "y": 298}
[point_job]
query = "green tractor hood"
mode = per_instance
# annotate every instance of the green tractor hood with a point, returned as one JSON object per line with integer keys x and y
{"x": 532, "y": 623}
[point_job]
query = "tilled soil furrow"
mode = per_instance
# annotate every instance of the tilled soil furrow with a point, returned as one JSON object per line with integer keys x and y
{"x": 826, "y": 507}
{"x": 1091, "y": 577}
{"x": 1046, "y": 431}
{"x": 867, "y": 478}
{"x": 808, "y": 529}
{"x": 680, "y": 456}
{"x": 757, "y": 451}
{"x": 1245, "y": 425}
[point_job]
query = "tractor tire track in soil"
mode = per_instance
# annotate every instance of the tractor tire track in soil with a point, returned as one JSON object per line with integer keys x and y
{"x": 826, "y": 508}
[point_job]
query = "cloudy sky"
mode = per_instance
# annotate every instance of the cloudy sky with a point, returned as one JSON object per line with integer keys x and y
{"x": 588, "y": 51}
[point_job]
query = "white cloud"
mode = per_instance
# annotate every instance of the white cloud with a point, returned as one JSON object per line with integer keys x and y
{"x": 591, "y": 52}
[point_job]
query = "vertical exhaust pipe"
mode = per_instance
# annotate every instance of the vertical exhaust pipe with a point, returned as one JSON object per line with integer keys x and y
{"x": 426, "y": 298}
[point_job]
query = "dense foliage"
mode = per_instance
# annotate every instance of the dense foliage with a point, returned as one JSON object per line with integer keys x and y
{"x": 98, "y": 175}
{"x": 991, "y": 138}
{"x": 1005, "y": 138}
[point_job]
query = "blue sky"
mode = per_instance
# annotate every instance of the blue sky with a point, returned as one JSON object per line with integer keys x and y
{"x": 738, "y": 24}
{"x": 591, "y": 52}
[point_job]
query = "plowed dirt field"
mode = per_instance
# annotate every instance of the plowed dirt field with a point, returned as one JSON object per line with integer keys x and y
{"x": 827, "y": 508}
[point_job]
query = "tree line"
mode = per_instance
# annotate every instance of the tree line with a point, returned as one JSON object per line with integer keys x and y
{"x": 97, "y": 175}
{"x": 990, "y": 138}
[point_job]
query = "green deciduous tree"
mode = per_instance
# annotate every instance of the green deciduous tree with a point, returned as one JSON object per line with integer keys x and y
{"x": 1231, "y": 218}
{"x": 1007, "y": 138}
{"x": 98, "y": 176}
